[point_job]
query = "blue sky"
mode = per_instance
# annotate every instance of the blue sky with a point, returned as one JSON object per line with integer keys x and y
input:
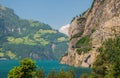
{"x": 56, "y": 13}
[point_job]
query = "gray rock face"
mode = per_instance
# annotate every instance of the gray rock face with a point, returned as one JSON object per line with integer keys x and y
{"x": 101, "y": 21}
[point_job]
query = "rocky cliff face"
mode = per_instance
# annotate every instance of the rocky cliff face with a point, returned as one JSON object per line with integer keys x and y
{"x": 88, "y": 31}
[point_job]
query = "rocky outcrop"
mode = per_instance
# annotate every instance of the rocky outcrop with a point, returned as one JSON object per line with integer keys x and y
{"x": 100, "y": 22}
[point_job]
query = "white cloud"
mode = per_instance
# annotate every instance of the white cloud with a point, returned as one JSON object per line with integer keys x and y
{"x": 64, "y": 29}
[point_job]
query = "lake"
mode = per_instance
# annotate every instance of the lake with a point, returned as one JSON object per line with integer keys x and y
{"x": 47, "y": 65}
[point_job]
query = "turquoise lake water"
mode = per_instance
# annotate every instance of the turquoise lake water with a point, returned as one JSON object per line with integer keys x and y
{"x": 5, "y": 66}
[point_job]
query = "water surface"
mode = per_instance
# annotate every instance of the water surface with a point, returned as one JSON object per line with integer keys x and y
{"x": 47, "y": 65}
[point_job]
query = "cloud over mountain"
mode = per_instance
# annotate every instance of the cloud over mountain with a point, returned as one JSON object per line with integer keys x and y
{"x": 64, "y": 29}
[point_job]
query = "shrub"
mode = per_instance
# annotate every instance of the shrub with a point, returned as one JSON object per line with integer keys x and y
{"x": 93, "y": 30}
{"x": 84, "y": 41}
{"x": 25, "y": 70}
{"x": 77, "y": 35}
{"x": 84, "y": 44}
{"x": 85, "y": 50}
{"x": 108, "y": 61}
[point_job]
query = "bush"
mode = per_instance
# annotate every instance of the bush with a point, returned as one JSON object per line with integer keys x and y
{"x": 25, "y": 70}
{"x": 39, "y": 74}
{"x": 86, "y": 75}
{"x": 93, "y": 30}
{"x": 63, "y": 74}
{"x": 108, "y": 62}
{"x": 52, "y": 74}
{"x": 84, "y": 44}
{"x": 77, "y": 35}
{"x": 85, "y": 50}
{"x": 84, "y": 41}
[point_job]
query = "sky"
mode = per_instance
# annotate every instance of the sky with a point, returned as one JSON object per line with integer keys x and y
{"x": 56, "y": 13}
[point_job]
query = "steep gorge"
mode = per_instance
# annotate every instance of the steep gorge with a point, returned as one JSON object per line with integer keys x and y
{"x": 88, "y": 31}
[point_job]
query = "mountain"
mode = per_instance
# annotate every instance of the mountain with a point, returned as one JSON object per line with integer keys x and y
{"x": 89, "y": 31}
{"x": 20, "y": 38}
{"x": 64, "y": 29}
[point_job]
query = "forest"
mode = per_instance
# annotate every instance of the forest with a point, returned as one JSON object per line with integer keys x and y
{"x": 20, "y": 38}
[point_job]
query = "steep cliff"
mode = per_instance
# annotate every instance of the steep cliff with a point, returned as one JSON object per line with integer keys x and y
{"x": 88, "y": 31}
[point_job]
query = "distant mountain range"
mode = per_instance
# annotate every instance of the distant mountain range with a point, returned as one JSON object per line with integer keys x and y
{"x": 20, "y": 38}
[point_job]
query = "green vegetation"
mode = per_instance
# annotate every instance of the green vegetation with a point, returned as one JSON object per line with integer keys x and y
{"x": 73, "y": 19}
{"x": 1, "y": 52}
{"x": 61, "y": 74}
{"x": 27, "y": 69}
{"x": 62, "y": 39}
{"x": 77, "y": 35}
{"x": 66, "y": 54}
{"x": 80, "y": 20}
{"x": 93, "y": 30}
{"x": 20, "y": 38}
{"x": 38, "y": 74}
{"x": 102, "y": 1}
{"x": 85, "y": 50}
{"x": 107, "y": 64}
{"x": 84, "y": 44}
{"x": 86, "y": 75}
{"x": 52, "y": 74}
{"x": 84, "y": 41}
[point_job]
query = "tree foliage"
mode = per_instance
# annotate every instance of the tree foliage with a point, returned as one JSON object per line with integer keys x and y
{"x": 52, "y": 74}
{"x": 61, "y": 74}
{"x": 29, "y": 38}
{"x": 25, "y": 70}
{"x": 107, "y": 64}
{"x": 39, "y": 74}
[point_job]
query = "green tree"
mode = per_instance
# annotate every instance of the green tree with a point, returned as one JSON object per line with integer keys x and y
{"x": 51, "y": 74}
{"x": 114, "y": 71}
{"x": 107, "y": 64}
{"x": 39, "y": 74}
{"x": 25, "y": 70}
{"x": 61, "y": 74}
{"x": 86, "y": 75}
{"x": 65, "y": 74}
{"x": 70, "y": 74}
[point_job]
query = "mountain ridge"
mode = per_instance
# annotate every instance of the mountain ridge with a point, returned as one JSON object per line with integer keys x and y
{"x": 22, "y": 38}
